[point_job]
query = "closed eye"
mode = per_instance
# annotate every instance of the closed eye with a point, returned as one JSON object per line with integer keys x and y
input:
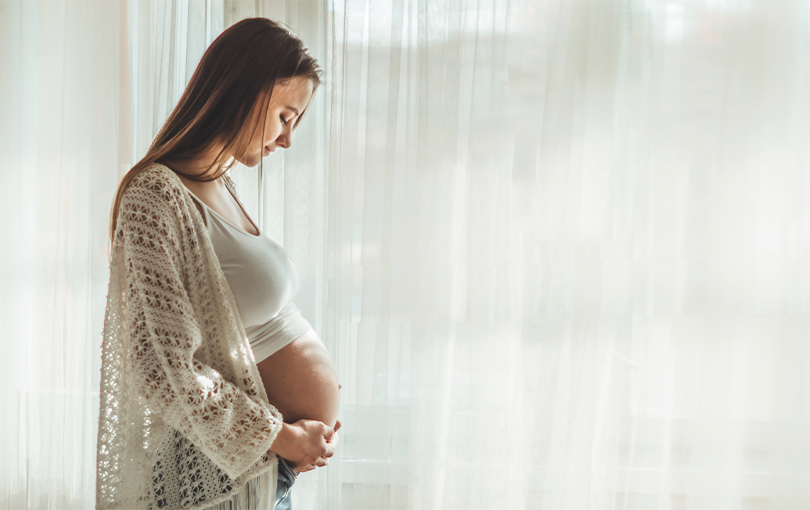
{"x": 282, "y": 119}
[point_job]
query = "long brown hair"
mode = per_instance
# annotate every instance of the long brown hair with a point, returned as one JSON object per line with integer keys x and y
{"x": 236, "y": 73}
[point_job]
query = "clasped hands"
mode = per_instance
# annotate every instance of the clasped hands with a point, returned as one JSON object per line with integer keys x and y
{"x": 319, "y": 444}
{"x": 306, "y": 444}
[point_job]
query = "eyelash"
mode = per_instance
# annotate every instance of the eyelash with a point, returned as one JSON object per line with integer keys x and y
{"x": 282, "y": 119}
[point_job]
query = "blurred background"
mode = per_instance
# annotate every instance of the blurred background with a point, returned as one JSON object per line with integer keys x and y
{"x": 558, "y": 250}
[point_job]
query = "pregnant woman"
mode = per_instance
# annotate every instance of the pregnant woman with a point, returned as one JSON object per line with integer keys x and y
{"x": 215, "y": 391}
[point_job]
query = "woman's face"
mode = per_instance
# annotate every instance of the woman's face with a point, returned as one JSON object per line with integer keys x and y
{"x": 286, "y": 104}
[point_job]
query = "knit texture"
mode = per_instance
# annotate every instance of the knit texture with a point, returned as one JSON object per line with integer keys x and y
{"x": 184, "y": 420}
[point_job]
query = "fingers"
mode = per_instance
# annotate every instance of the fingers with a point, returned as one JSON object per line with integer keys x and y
{"x": 330, "y": 450}
{"x": 334, "y": 439}
{"x": 337, "y": 425}
{"x": 321, "y": 462}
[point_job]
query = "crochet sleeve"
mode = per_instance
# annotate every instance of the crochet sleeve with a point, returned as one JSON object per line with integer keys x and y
{"x": 218, "y": 417}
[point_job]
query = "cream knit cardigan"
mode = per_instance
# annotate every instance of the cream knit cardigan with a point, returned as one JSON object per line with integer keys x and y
{"x": 184, "y": 421}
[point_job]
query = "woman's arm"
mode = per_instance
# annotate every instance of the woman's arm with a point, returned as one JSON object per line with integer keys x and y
{"x": 222, "y": 420}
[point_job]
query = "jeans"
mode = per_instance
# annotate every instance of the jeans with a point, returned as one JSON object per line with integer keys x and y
{"x": 286, "y": 478}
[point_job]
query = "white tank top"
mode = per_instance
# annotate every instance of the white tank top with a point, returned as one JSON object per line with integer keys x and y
{"x": 263, "y": 279}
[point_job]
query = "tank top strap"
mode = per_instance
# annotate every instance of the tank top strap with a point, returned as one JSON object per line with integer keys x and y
{"x": 232, "y": 187}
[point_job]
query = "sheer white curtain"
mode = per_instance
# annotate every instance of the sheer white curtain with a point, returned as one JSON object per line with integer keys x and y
{"x": 84, "y": 85}
{"x": 568, "y": 253}
{"x": 58, "y": 86}
{"x": 558, "y": 250}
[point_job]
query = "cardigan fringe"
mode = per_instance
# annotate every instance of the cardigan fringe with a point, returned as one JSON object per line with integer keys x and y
{"x": 259, "y": 493}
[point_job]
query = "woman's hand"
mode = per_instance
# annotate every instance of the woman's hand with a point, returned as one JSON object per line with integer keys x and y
{"x": 331, "y": 441}
{"x": 305, "y": 444}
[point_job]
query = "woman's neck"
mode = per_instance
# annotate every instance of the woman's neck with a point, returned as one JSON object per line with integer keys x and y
{"x": 198, "y": 167}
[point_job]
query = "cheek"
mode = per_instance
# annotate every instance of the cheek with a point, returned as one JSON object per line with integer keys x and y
{"x": 271, "y": 129}
{"x": 259, "y": 139}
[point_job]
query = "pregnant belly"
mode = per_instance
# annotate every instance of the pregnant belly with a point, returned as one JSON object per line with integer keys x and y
{"x": 301, "y": 381}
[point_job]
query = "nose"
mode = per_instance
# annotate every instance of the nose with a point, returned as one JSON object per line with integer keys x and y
{"x": 284, "y": 139}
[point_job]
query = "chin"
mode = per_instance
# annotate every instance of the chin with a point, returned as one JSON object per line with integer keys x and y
{"x": 252, "y": 162}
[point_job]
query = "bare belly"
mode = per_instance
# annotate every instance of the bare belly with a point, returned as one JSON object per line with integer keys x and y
{"x": 301, "y": 381}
